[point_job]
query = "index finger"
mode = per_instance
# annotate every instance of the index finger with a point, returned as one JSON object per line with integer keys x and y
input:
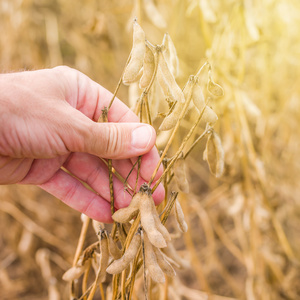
{"x": 90, "y": 98}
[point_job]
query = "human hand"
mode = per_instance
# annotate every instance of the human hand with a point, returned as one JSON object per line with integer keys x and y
{"x": 47, "y": 121}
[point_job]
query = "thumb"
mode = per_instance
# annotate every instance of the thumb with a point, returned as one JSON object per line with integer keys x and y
{"x": 118, "y": 140}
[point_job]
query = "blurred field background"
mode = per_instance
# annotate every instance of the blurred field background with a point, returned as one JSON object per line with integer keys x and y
{"x": 244, "y": 229}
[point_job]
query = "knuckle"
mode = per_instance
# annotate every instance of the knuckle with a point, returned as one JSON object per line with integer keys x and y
{"x": 109, "y": 141}
{"x": 71, "y": 193}
{"x": 114, "y": 140}
{"x": 64, "y": 69}
{"x": 88, "y": 208}
{"x": 66, "y": 72}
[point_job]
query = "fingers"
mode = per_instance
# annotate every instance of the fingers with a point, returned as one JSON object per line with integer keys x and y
{"x": 119, "y": 141}
{"x": 74, "y": 194}
{"x": 90, "y": 98}
{"x": 94, "y": 172}
{"x": 124, "y": 166}
{"x": 42, "y": 170}
{"x": 148, "y": 164}
{"x": 106, "y": 140}
{"x": 13, "y": 170}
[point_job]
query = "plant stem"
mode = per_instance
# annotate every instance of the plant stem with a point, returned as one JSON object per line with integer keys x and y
{"x": 165, "y": 165}
{"x": 147, "y": 109}
{"x": 195, "y": 143}
{"x": 81, "y": 240}
{"x": 85, "y": 278}
{"x": 123, "y": 285}
{"x": 104, "y": 119}
{"x": 165, "y": 214}
{"x": 200, "y": 70}
{"x": 144, "y": 264}
{"x": 171, "y": 163}
{"x": 85, "y": 293}
{"x": 134, "y": 271}
{"x": 116, "y": 280}
{"x": 125, "y": 182}
{"x": 111, "y": 187}
{"x": 101, "y": 291}
{"x": 138, "y": 173}
{"x": 119, "y": 84}
{"x": 186, "y": 104}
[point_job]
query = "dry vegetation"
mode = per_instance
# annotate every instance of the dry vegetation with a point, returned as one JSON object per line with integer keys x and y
{"x": 243, "y": 227}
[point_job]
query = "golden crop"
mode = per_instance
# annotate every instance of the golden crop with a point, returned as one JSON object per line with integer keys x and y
{"x": 219, "y": 81}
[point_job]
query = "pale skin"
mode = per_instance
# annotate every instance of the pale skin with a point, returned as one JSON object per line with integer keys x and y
{"x": 48, "y": 121}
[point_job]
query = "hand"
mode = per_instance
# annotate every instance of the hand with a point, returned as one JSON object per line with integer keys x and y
{"x": 47, "y": 121}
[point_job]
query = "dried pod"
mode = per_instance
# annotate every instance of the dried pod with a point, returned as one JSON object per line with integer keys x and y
{"x": 214, "y": 88}
{"x": 104, "y": 256}
{"x": 135, "y": 64}
{"x": 170, "y": 121}
{"x": 209, "y": 116}
{"x": 148, "y": 213}
{"x": 151, "y": 263}
{"x": 121, "y": 264}
{"x": 134, "y": 94}
{"x": 163, "y": 263}
{"x": 82, "y": 263}
{"x": 154, "y": 15}
{"x": 114, "y": 249}
{"x": 198, "y": 97}
{"x": 162, "y": 139}
{"x": 148, "y": 68}
{"x": 171, "y": 253}
{"x": 170, "y": 54}
{"x": 174, "y": 89}
{"x": 163, "y": 83}
{"x": 188, "y": 93}
{"x": 76, "y": 271}
{"x": 97, "y": 226}
{"x": 215, "y": 154}
{"x": 125, "y": 214}
{"x": 180, "y": 217}
{"x": 180, "y": 175}
{"x": 150, "y": 221}
{"x": 160, "y": 227}
{"x": 155, "y": 97}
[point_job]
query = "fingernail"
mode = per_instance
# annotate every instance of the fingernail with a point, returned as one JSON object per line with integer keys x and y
{"x": 141, "y": 137}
